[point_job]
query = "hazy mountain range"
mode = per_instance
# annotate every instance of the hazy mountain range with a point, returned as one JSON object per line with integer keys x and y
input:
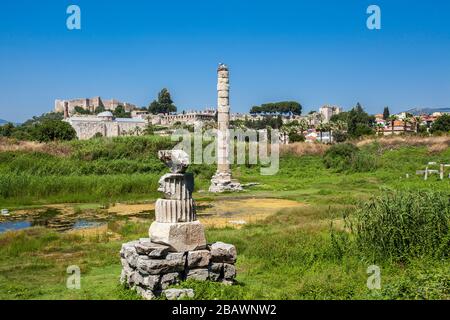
{"x": 3, "y": 121}
{"x": 419, "y": 111}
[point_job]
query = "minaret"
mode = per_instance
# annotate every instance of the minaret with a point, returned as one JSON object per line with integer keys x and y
{"x": 222, "y": 181}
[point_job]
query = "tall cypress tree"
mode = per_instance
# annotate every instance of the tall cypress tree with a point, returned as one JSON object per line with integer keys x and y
{"x": 164, "y": 103}
{"x": 386, "y": 113}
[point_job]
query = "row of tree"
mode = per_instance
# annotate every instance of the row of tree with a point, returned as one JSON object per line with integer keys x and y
{"x": 279, "y": 107}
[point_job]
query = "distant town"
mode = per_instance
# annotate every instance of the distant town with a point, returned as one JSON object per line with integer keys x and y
{"x": 91, "y": 117}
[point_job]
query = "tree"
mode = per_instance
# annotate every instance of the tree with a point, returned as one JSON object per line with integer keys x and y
{"x": 99, "y": 109}
{"x": 120, "y": 112}
{"x": 321, "y": 128}
{"x": 164, "y": 104}
{"x": 296, "y": 137}
{"x": 386, "y": 113}
{"x": 7, "y": 130}
{"x": 80, "y": 110}
{"x": 54, "y": 130}
{"x": 359, "y": 122}
{"x": 442, "y": 124}
{"x": 340, "y": 136}
{"x": 279, "y": 107}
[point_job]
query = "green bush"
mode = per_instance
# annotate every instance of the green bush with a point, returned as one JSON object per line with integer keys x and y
{"x": 347, "y": 157}
{"x": 402, "y": 225}
{"x": 54, "y": 130}
{"x": 340, "y": 156}
{"x": 295, "y": 137}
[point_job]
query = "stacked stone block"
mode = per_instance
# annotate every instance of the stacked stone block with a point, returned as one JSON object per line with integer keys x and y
{"x": 151, "y": 268}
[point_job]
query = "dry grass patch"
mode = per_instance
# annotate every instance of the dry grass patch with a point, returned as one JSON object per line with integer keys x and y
{"x": 434, "y": 144}
{"x": 304, "y": 149}
{"x": 52, "y": 148}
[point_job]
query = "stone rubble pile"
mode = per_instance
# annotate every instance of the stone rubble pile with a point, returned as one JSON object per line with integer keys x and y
{"x": 151, "y": 268}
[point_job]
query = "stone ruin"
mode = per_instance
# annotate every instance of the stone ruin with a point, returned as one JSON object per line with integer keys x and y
{"x": 222, "y": 180}
{"x": 176, "y": 249}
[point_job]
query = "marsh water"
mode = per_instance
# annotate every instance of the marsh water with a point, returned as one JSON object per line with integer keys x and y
{"x": 219, "y": 213}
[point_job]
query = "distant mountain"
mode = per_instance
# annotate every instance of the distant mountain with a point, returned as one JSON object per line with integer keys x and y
{"x": 419, "y": 111}
{"x": 3, "y": 121}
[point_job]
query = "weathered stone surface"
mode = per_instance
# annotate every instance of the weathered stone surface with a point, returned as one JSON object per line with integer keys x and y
{"x": 223, "y": 101}
{"x": 177, "y": 186}
{"x": 215, "y": 271}
{"x": 177, "y": 294}
{"x": 223, "y": 86}
{"x": 148, "y": 266}
{"x": 199, "y": 258}
{"x": 151, "y": 249}
{"x": 176, "y": 160}
{"x": 229, "y": 271}
{"x": 198, "y": 274}
{"x": 125, "y": 265}
{"x": 223, "y": 94}
{"x": 175, "y": 211}
{"x": 130, "y": 255}
{"x": 223, "y": 252}
{"x": 180, "y": 237}
{"x": 123, "y": 277}
{"x": 150, "y": 282}
{"x": 127, "y": 245}
{"x": 219, "y": 184}
{"x": 170, "y": 279}
{"x": 146, "y": 294}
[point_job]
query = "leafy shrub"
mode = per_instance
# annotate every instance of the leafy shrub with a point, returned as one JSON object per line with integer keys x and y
{"x": 347, "y": 157}
{"x": 340, "y": 136}
{"x": 54, "y": 130}
{"x": 295, "y": 137}
{"x": 441, "y": 125}
{"x": 403, "y": 225}
{"x": 340, "y": 156}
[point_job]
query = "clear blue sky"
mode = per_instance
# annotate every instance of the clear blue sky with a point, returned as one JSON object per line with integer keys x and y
{"x": 315, "y": 52}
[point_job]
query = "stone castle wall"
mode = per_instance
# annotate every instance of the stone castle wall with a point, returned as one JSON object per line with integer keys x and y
{"x": 91, "y": 104}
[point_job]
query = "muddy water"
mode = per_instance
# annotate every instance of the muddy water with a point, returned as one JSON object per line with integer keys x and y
{"x": 219, "y": 213}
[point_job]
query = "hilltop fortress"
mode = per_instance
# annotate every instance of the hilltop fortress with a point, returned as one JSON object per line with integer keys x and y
{"x": 90, "y": 104}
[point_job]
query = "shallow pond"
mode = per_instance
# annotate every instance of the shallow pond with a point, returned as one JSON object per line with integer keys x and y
{"x": 219, "y": 213}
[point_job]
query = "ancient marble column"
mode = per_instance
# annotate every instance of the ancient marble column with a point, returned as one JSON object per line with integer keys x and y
{"x": 222, "y": 181}
{"x": 176, "y": 223}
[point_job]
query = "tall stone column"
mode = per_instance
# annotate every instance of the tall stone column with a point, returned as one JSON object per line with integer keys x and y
{"x": 222, "y": 181}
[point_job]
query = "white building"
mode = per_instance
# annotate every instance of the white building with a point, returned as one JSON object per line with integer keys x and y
{"x": 106, "y": 125}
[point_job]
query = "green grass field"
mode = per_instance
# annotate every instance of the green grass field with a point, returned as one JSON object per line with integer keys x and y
{"x": 301, "y": 253}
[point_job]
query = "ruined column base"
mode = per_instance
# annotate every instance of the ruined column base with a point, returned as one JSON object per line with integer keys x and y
{"x": 222, "y": 182}
{"x": 150, "y": 268}
{"x": 180, "y": 237}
